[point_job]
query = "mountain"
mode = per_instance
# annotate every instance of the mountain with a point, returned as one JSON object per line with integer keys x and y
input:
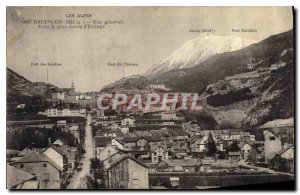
{"x": 219, "y": 66}
{"x": 17, "y": 85}
{"x": 135, "y": 82}
{"x": 250, "y": 99}
{"x": 242, "y": 88}
{"x": 197, "y": 50}
{"x": 20, "y": 90}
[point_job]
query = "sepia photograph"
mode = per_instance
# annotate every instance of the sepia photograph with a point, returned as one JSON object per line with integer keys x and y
{"x": 150, "y": 98}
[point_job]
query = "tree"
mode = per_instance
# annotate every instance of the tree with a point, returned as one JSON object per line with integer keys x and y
{"x": 98, "y": 171}
{"x": 234, "y": 147}
{"x": 211, "y": 146}
{"x": 279, "y": 164}
{"x": 253, "y": 156}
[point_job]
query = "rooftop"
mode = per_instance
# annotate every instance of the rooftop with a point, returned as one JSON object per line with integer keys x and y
{"x": 16, "y": 177}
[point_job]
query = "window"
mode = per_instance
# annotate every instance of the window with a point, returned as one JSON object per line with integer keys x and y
{"x": 154, "y": 158}
{"x": 45, "y": 164}
{"x": 21, "y": 166}
{"x": 272, "y": 138}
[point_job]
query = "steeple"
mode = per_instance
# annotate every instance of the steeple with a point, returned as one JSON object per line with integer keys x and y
{"x": 72, "y": 91}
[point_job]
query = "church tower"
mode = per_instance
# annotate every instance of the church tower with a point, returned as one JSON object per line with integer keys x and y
{"x": 72, "y": 91}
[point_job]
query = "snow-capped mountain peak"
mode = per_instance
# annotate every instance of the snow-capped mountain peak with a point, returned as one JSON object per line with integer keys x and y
{"x": 197, "y": 50}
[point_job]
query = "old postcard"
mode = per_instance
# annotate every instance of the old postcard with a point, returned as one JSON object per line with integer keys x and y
{"x": 150, "y": 98}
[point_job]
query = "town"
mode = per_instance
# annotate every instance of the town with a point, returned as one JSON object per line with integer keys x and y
{"x": 72, "y": 144}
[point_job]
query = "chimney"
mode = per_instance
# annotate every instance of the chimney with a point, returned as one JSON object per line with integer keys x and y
{"x": 49, "y": 140}
{"x": 285, "y": 145}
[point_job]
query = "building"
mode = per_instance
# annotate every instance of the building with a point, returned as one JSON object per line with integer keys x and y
{"x": 192, "y": 128}
{"x": 140, "y": 143}
{"x": 128, "y": 121}
{"x": 61, "y": 123}
{"x": 124, "y": 129}
{"x": 74, "y": 129}
{"x": 278, "y": 123}
{"x": 179, "y": 165}
{"x": 158, "y": 153}
{"x": 231, "y": 136}
{"x": 66, "y": 112}
{"x": 272, "y": 144}
{"x": 108, "y": 162}
{"x": 287, "y": 152}
{"x": 58, "y": 95}
{"x": 58, "y": 142}
{"x": 46, "y": 171}
{"x": 117, "y": 142}
{"x": 128, "y": 173}
{"x": 18, "y": 179}
{"x": 245, "y": 148}
{"x": 157, "y": 86}
{"x": 57, "y": 155}
{"x": 101, "y": 142}
{"x": 107, "y": 152}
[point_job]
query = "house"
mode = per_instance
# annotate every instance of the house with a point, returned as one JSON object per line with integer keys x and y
{"x": 24, "y": 152}
{"x": 140, "y": 143}
{"x": 192, "y": 128}
{"x": 61, "y": 123}
{"x": 72, "y": 156}
{"x": 278, "y": 123}
{"x": 66, "y": 112}
{"x": 57, "y": 155}
{"x": 287, "y": 152}
{"x": 128, "y": 121}
{"x": 115, "y": 126}
{"x": 124, "y": 129}
{"x": 203, "y": 142}
{"x": 180, "y": 149}
{"x": 118, "y": 142}
{"x": 158, "y": 153}
{"x": 28, "y": 150}
{"x": 272, "y": 144}
{"x": 46, "y": 171}
{"x": 58, "y": 95}
{"x": 283, "y": 160}
{"x": 107, "y": 152}
{"x": 232, "y": 136}
{"x": 58, "y": 142}
{"x": 178, "y": 165}
{"x": 18, "y": 179}
{"x": 108, "y": 162}
{"x": 246, "y": 136}
{"x": 128, "y": 173}
{"x": 74, "y": 129}
{"x": 245, "y": 148}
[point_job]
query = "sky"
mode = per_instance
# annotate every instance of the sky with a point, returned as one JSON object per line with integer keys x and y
{"x": 146, "y": 37}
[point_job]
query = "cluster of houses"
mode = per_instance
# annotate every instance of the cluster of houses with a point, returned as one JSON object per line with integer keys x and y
{"x": 181, "y": 146}
{"x": 69, "y": 94}
{"x": 42, "y": 168}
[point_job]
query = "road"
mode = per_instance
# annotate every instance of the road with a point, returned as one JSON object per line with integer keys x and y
{"x": 77, "y": 181}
